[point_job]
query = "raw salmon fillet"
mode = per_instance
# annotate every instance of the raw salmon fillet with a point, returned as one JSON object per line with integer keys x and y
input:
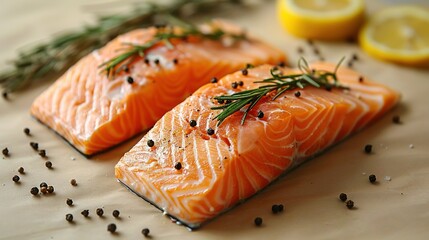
{"x": 94, "y": 112}
{"x": 220, "y": 170}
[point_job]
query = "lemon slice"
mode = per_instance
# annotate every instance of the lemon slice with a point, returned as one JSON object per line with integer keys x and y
{"x": 321, "y": 19}
{"x": 399, "y": 34}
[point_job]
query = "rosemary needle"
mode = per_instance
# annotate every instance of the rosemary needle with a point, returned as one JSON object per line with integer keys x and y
{"x": 276, "y": 83}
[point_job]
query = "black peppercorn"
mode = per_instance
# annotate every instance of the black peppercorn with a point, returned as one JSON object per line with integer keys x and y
{"x": 275, "y": 209}
{"x": 258, "y": 221}
{"x": 396, "y": 119}
{"x": 328, "y": 88}
{"x": 27, "y": 131}
{"x": 156, "y": 61}
{"x": 260, "y": 114}
{"x": 178, "y": 166}
{"x": 368, "y": 148}
{"x": 130, "y": 80}
{"x": 4, "y": 94}
{"x": 15, "y": 178}
{"x": 244, "y": 72}
{"x": 234, "y": 85}
{"x": 150, "y": 143}
{"x": 43, "y": 184}
{"x": 350, "y": 204}
{"x": 343, "y": 197}
{"x": 5, "y": 152}
{"x": 50, "y": 189}
{"x": 48, "y": 164}
{"x": 34, "y": 145}
{"x": 99, "y": 212}
{"x": 126, "y": 69}
{"x": 240, "y": 83}
{"x": 73, "y": 182}
{"x": 146, "y": 61}
{"x": 310, "y": 42}
{"x": 316, "y": 51}
{"x": 34, "y": 191}
{"x": 69, "y": 202}
{"x": 300, "y": 50}
{"x": 69, "y": 217}
{"x": 116, "y": 213}
{"x": 145, "y": 232}
{"x": 360, "y": 79}
{"x": 210, "y": 131}
{"x": 175, "y": 61}
{"x": 372, "y": 178}
{"x": 21, "y": 170}
{"x": 221, "y": 101}
{"x": 213, "y": 80}
{"x": 281, "y": 207}
{"x": 350, "y": 64}
{"x": 355, "y": 57}
{"x": 111, "y": 227}
{"x": 42, "y": 153}
{"x": 193, "y": 123}
{"x": 44, "y": 190}
{"x": 297, "y": 94}
{"x": 85, "y": 213}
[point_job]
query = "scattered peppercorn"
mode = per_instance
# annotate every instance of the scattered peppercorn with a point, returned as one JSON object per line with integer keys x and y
{"x": 316, "y": 51}
{"x": 193, "y": 123}
{"x": 150, "y": 143}
{"x": 99, "y": 212}
{"x": 5, "y": 152}
{"x": 350, "y": 204}
{"x": 321, "y": 58}
{"x": 244, "y": 72}
{"x": 145, "y": 232}
{"x": 213, "y": 80}
{"x": 175, "y": 61}
{"x": 126, "y": 69}
{"x": 15, "y": 178}
{"x": 42, "y": 153}
{"x": 234, "y": 85}
{"x": 368, "y": 148}
{"x": 240, "y": 83}
{"x": 4, "y": 94}
{"x": 300, "y": 50}
{"x": 328, "y": 88}
{"x": 51, "y": 189}
{"x": 275, "y": 208}
{"x": 156, "y": 61}
{"x": 297, "y": 94}
{"x": 34, "y": 145}
{"x": 343, "y": 197}
{"x": 372, "y": 178}
{"x": 178, "y": 166}
{"x": 260, "y": 114}
{"x": 85, "y": 213}
{"x": 73, "y": 182}
{"x": 69, "y": 217}
{"x": 350, "y": 64}
{"x": 355, "y": 57}
{"x": 146, "y": 61}
{"x": 111, "y": 227}
{"x": 43, "y": 184}
{"x": 281, "y": 207}
{"x": 21, "y": 170}
{"x": 396, "y": 119}
{"x": 228, "y": 101}
{"x": 221, "y": 101}
{"x": 130, "y": 80}
{"x": 310, "y": 42}
{"x": 48, "y": 164}
{"x": 210, "y": 131}
{"x": 116, "y": 213}
{"x": 34, "y": 191}
{"x": 360, "y": 79}
{"x": 44, "y": 190}
{"x": 27, "y": 131}
{"x": 69, "y": 202}
{"x": 258, "y": 221}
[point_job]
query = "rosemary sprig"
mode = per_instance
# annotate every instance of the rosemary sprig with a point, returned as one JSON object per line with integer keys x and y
{"x": 165, "y": 35}
{"x": 279, "y": 84}
{"x": 44, "y": 61}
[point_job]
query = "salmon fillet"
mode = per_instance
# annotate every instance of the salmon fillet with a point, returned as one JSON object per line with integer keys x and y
{"x": 94, "y": 112}
{"x": 218, "y": 171}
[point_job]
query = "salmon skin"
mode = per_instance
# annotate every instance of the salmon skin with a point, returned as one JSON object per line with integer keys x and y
{"x": 94, "y": 112}
{"x": 220, "y": 170}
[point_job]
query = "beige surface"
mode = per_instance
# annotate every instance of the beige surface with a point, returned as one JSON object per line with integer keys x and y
{"x": 396, "y": 209}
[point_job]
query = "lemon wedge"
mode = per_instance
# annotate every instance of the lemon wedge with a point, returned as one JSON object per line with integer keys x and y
{"x": 321, "y": 19}
{"x": 399, "y": 34}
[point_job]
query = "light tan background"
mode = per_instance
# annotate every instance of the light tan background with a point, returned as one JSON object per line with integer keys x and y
{"x": 396, "y": 209}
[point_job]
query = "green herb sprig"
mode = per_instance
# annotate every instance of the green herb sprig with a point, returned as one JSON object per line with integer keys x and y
{"x": 164, "y": 35}
{"x": 45, "y": 61}
{"x": 277, "y": 83}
